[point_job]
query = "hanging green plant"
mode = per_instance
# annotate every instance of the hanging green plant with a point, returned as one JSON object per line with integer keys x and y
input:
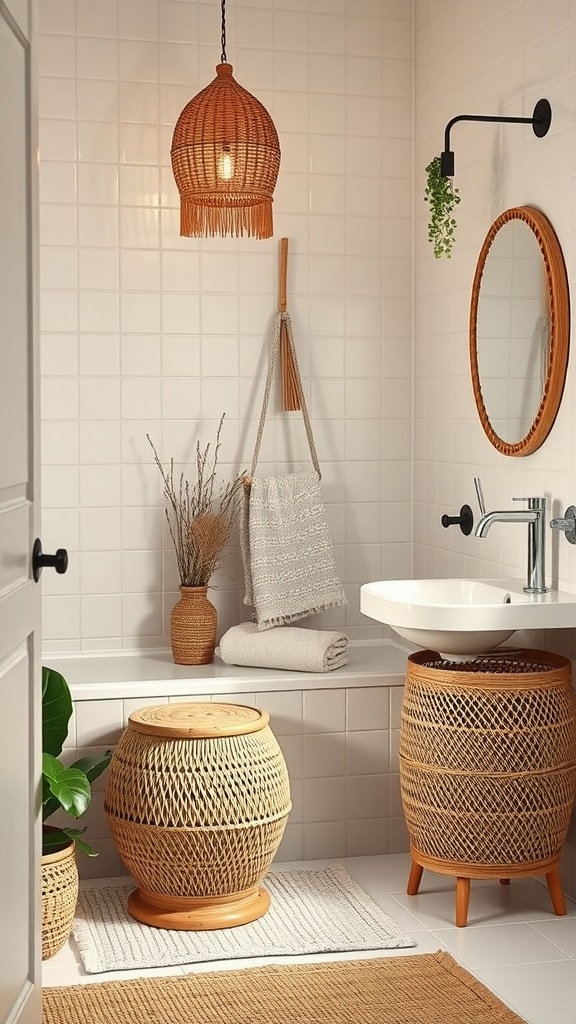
{"x": 442, "y": 197}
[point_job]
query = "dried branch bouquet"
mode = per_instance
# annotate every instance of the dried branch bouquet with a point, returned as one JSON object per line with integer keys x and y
{"x": 200, "y": 516}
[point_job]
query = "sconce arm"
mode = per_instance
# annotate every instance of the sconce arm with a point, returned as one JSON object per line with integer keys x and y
{"x": 540, "y": 121}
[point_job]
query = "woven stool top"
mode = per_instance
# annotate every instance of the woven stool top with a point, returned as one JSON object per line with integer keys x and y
{"x": 198, "y": 720}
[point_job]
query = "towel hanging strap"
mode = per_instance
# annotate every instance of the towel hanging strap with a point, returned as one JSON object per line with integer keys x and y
{"x": 285, "y": 317}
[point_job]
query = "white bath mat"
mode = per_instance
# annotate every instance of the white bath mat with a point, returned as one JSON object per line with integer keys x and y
{"x": 310, "y": 912}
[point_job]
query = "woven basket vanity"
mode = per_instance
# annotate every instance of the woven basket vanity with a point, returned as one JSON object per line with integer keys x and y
{"x": 197, "y": 801}
{"x": 488, "y": 766}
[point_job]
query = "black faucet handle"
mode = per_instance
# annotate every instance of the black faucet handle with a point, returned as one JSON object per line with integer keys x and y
{"x": 465, "y": 520}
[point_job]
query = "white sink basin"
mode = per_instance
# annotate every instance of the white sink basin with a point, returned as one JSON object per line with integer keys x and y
{"x": 463, "y": 618}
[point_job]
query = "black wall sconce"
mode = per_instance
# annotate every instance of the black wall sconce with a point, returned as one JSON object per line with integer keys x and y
{"x": 540, "y": 121}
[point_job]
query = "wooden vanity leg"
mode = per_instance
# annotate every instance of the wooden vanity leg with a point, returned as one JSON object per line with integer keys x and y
{"x": 556, "y": 894}
{"x": 504, "y": 881}
{"x": 414, "y": 879}
{"x": 462, "y": 900}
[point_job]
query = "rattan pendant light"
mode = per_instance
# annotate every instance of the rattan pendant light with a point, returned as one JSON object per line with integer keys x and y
{"x": 225, "y": 158}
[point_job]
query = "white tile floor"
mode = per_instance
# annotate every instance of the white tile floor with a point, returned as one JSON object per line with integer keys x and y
{"x": 513, "y": 941}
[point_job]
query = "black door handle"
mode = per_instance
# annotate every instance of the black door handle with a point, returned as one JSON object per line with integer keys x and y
{"x": 59, "y": 561}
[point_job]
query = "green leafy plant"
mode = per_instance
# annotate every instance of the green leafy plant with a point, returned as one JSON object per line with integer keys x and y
{"x": 64, "y": 787}
{"x": 442, "y": 198}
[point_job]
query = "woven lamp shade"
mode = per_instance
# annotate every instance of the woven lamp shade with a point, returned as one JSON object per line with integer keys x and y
{"x": 225, "y": 158}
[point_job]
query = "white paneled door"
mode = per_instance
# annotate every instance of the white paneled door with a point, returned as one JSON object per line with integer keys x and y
{"x": 19, "y": 595}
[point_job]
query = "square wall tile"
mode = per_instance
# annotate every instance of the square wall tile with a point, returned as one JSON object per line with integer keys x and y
{"x": 285, "y": 710}
{"x": 98, "y": 722}
{"x": 367, "y": 797}
{"x": 57, "y": 16}
{"x": 100, "y": 617}
{"x": 60, "y": 487}
{"x": 367, "y": 838}
{"x": 61, "y": 619}
{"x": 57, "y": 97}
{"x": 292, "y": 749}
{"x": 100, "y": 529}
{"x": 324, "y": 839}
{"x": 60, "y": 398}
{"x": 324, "y": 800}
{"x": 60, "y": 443}
{"x": 324, "y": 711}
{"x": 100, "y": 572}
{"x": 96, "y": 22}
{"x": 368, "y": 708}
{"x": 292, "y": 845}
{"x": 367, "y": 752}
{"x": 325, "y": 755}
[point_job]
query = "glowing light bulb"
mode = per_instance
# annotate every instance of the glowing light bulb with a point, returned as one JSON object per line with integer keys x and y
{"x": 225, "y": 165}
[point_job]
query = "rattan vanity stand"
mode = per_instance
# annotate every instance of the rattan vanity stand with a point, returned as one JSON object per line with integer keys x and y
{"x": 488, "y": 768}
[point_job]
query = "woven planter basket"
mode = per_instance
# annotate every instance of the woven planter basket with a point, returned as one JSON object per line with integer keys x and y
{"x": 193, "y": 626}
{"x": 488, "y": 761}
{"x": 59, "y": 895}
{"x": 197, "y": 801}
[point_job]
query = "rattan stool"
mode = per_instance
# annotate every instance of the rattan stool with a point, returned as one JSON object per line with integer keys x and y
{"x": 197, "y": 801}
{"x": 488, "y": 768}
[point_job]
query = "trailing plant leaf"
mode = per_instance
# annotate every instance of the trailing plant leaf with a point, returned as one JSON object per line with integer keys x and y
{"x": 442, "y": 198}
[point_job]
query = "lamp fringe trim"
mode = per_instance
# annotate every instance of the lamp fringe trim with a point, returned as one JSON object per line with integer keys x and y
{"x": 202, "y": 221}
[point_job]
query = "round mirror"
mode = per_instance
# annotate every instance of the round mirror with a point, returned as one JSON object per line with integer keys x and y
{"x": 519, "y": 330}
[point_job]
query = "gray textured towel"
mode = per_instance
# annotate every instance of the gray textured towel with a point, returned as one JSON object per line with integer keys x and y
{"x": 289, "y": 567}
{"x": 289, "y": 647}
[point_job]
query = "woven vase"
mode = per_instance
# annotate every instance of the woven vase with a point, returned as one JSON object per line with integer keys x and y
{"x": 59, "y": 895}
{"x": 193, "y": 626}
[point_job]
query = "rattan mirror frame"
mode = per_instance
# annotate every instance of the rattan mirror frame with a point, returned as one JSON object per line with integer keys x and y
{"x": 559, "y": 297}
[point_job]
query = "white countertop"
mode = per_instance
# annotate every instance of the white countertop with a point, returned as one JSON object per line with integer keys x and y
{"x": 148, "y": 673}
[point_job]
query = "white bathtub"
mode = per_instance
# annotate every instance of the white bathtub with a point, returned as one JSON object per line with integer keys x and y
{"x": 338, "y": 731}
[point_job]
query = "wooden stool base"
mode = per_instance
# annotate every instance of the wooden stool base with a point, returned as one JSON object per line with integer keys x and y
{"x": 198, "y": 913}
{"x": 465, "y": 872}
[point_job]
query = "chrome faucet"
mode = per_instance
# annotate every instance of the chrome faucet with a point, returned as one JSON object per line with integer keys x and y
{"x": 535, "y": 517}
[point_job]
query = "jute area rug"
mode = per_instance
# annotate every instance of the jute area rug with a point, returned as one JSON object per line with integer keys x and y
{"x": 321, "y": 911}
{"x": 424, "y": 989}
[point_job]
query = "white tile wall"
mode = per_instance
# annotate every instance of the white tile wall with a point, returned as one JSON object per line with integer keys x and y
{"x": 143, "y": 331}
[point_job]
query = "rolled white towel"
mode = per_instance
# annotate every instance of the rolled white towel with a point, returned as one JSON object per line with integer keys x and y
{"x": 288, "y": 647}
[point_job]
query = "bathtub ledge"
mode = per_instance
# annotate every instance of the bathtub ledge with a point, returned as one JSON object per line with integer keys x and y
{"x": 151, "y": 673}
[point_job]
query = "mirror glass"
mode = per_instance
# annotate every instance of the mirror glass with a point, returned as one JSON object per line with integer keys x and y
{"x": 519, "y": 330}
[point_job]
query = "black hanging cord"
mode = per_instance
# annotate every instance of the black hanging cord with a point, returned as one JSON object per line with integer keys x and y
{"x": 223, "y": 33}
